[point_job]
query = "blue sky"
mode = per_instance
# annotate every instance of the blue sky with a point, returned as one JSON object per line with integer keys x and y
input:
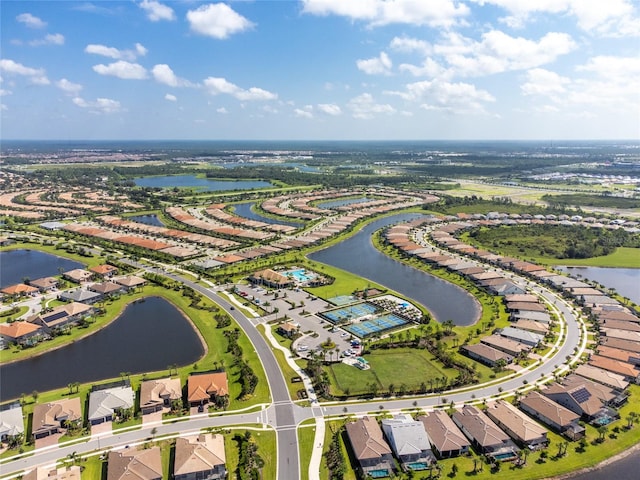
{"x": 320, "y": 69}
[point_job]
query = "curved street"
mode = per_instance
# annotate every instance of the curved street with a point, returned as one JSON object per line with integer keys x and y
{"x": 284, "y": 416}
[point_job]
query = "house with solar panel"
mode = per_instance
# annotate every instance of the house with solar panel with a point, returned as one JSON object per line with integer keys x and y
{"x": 62, "y": 317}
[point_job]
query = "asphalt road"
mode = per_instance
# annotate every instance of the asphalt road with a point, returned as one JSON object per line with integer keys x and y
{"x": 283, "y": 415}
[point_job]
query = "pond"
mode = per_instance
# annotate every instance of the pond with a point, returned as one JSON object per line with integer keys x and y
{"x": 626, "y": 281}
{"x": 206, "y": 184}
{"x": 328, "y": 204}
{"x": 358, "y": 255}
{"x": 149, "y": 219}
{"x": 148, "y": 336}
{"x": 245, "y": 210}
{"x": 15, "y": 265}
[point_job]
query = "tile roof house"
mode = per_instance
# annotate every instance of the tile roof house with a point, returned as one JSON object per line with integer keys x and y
{"x": 203, "y": 387}
{"x": 517, "y": 425}
{"x": 602, "y": 376}
{"x": 155, "y": 395}
{"x": 409, "y": 441}
{"x": 131, "y": 463}
{"x": 11, "y": 421}
{"x": 62, "y": 316}
{"x": 271, "y": 279}
{"x": 200, "y": 457}
{"x": 104, "y": 270}
{"x": 48, "y": 473}
{"x": 288, "y": 329}
{"x": 523, "y": 336}
{"x": 486, "y": 354}
{"x": 50, "y": 418}
{"x": 485, "y": 435}
{"x": 19, "y": 290}
{"x": 105, "y": 403}
{"x": 24, "y": 333}
{"x": 369, "y": 447}
{"x": 507, "y": 345}
{"x": 80, "y": 295}
{"x": 106, "y": 289}
{"x": 627, "y": 370}
{"x": 588, "y": 399}
{"x": 44, "y": 284}
{"x": 130, "y": 282}
{"x": 553, "y": 415}
{"x": 78, "y": 275}
{"x": 446, "y": 438}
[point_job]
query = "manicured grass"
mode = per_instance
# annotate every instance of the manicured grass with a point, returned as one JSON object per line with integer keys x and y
{"x": 266, "y": 442}
{"x": 93, "y": 468}
{"x": 306, "y": 436}
{"x": 287, "y": 371}
{"x": 417, "y": 367}
{"x": 349, "y": 473}
{"x": 8, "y": 318}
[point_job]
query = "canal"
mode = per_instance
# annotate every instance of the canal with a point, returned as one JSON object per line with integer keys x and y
{"x": 358, "y": 255}
{"x": 150, "y": 335}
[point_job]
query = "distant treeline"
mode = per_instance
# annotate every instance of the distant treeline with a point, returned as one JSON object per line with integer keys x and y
{"x": 590, "y": 200}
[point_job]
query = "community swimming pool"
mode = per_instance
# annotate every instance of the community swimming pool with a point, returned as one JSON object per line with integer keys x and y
{"x": 379, "y": 324}
{"x": 300, "y": 275}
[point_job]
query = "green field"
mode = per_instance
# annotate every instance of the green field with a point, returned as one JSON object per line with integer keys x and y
{"x": 417, "y": 367}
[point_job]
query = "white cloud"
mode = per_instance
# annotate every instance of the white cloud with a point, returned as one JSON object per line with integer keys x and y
{"x": 50, "y": 39}
{"x": 31, "y": 21}
{"x": 35, "y": 75}
{"x": 614, "y": 18}
{"x": 218, "y": 85}
{"x": 434, "y": 13}
{"x": 330, "y": 109}
{"x": 68, "y": 87}
{"x": 162, "y": 73}
{"x": 122, "y": 69}
{"x": 380, "y": 65}
{"x": 101, "y": 105}
{"x": 217, "y": 20}
{"x": 171, "y": 98}
{"x": 364, "y": 107}
{"x": 156, "y": 11}
{"x": 222, "y": 110}
{"x": 603, "y": 83}
{"x": 112, "y": 52}
{"x": 306, "y": 112}
{"x": 438, "y": 94}
{"x": 409, "y": 45}
{"x": 4, "y": 93}
{"x": 495, "y": 52}
{"x": 543, "y": 82}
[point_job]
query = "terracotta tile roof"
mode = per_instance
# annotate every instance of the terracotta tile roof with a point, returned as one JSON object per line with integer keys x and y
{"x": 19, "y": 289}
{"x": 134, "y": 464}
{"x": 198, "y": 453}
{"x": 200, "y": 387}
{"x": 18, "y": 329}
{"x": 366, "y": 439}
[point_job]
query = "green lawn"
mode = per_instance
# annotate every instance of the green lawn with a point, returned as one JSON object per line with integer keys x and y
{"x": 306, "y": 436}
{"x": 266, "y": 442}
{"x": 417, "y": 367}
{"x": 287, "y": 371}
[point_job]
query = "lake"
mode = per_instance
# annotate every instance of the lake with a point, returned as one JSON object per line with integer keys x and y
{"x": 626, "y": 281}
{"x": 328, "y": 204}
{"x": 245, "y": 210}
{"x": 149, "y": 219}
{"x": 15, "y": 265}
{"x": 148, "y": 336}
{"x": 206, "y": 184}
{"x": 357, "y": 255}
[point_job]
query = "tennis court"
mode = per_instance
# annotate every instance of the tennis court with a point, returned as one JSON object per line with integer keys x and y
{"x": 342, "y": 300}
{"x": 351, "y": 312}
{"x": 379, "y": 324}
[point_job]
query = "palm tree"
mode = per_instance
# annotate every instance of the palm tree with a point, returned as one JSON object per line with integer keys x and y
{"x": 602, "y": 431}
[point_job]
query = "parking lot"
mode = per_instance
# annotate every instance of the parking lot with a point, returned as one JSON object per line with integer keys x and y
{"x": 303, "y": 314}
